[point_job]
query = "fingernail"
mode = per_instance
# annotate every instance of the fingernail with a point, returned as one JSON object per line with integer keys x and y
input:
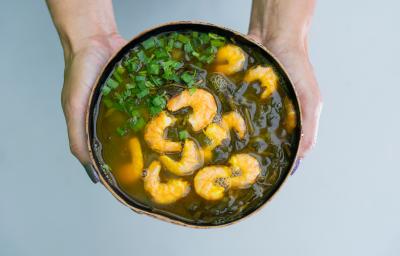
{"x": 296, "y": 166}
{"x": 91, "y": 173}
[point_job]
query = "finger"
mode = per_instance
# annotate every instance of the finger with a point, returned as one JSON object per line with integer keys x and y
{"x": 305, "y": 84}
{"x": 311, "y": 106}
{"x": 80, "y": 77}
{"x": 77, "y": 135}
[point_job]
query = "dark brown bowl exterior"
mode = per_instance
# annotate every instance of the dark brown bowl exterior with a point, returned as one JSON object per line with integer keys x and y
{"x": 95, "y": 147}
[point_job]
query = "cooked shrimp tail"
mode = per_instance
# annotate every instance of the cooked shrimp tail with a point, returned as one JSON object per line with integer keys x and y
{"x": 267, "y": 78}
{"x": 202, "y": 103}
{"x": 233, "y": 120}
{"x": 290, "y": 120}
{"x": 218, "y": 132}
{"x": 131, "y": 172}
{"x": 154, "y": 134}
{"x": 212, "y": 182}
{"x": 244, "y": 170}
{"x": 230, "y": 59}
{"x": 190, "y": 161}
{"x": 164, "y": 193}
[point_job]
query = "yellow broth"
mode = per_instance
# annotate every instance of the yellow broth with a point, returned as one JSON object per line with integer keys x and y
{"x": 267, "y": 137}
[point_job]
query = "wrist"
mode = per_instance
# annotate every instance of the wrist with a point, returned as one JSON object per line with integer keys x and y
{"x": 73, "y": 43}
{"x": 292, "y": 42}
{"x": 281, "y": 22}
{"x": 80, "y": 22}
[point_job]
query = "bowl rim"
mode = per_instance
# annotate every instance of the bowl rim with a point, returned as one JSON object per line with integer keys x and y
{"x": 90, "y": 108}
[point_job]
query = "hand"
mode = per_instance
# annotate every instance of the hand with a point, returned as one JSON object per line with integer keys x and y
{"x": 81, "y": 70}
{"x": 294, "y": 57}
{"x": 282, "y": 26}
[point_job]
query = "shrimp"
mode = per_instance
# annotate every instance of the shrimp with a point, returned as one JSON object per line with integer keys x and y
{"x": 190, "y": 161}
{"x": 164, "y": 193}
{"x": 211, "y": 182}
{"x": 233, "y": 120}
{"x": 244, "y": 170}
{"x": 229, "y": 59}
{"x": 217, "y": 132}
{"x": 290, "y": 121}
{"x": 154, "y": 134}
{"x": 267, "y": 78}
{"x": 132, "y": 172}
{"x": 201, "y": 101}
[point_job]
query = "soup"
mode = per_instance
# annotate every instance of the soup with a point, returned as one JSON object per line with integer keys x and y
{"x": 196, "y": 126}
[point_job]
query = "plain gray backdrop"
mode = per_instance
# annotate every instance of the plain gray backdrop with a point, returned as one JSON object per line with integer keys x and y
{"x": 344, "y": 199}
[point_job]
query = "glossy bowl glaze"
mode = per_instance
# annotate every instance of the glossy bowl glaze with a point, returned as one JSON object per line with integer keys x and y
{"x": 95, "y": 146}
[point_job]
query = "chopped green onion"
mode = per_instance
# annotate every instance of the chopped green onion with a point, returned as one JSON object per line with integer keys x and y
{"x": 196, "y": 54}
{"x": 188, "y": 47}
{"x": 133, "y": 66}
{"x": 183, "y": 135}
{"x": 215, "y": 36}
{"x": 142, "y": 56}
{"x": 161, "y": 53}
{"x": 192, "y": 90}
{"x": 121, "y": 131}
{"x": 187, "y": 78}
{"x": 138, "y": 124}
{"x": 184, "y": 39}
{"x": 143, "y": 93}
{"x": 155, "y": 110}
{"x": 160, "y": 42}
{"x": 135, "y": 113}
{"x": 159, "y": 101}
{"x": 140, "y": 78}
{"x": 129, "y": 86}
{"x": 117, "y": 77}
{"x": 105, "y": 90}
{"x": 153, "y": 68}
{"x": 178, "y": 45}
{"x": 204, "y": 38}
{"x": 141, "y": 85}
{"x": 217, "y": 43}
{"x": 120, "y": 69}
{"x": 149, "y": 43}
{"x": 156, "y": 80}
{"x": 170, "y": 44}
{"x": 112, "y": 83}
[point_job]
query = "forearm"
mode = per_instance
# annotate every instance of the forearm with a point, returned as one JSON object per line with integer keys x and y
{"x": 78, "y": 22}
{"x": 283, "y": 20}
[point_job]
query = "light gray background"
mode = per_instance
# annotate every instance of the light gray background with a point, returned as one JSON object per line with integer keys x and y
{"x": 344, "y": 199}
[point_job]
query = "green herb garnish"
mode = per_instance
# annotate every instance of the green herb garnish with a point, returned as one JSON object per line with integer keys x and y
{"x": 149, "y": 43}
{"x": 188, "y": 78}
{"x": 112, "y": 83}
{"x": 122, "y": 131}
{"x": 183, "y": 135}
{"x": 149, "y": 66}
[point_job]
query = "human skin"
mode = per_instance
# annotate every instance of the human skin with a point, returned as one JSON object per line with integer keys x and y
{"x": 282, "y": 26}
{"x": 89, "y": 37}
